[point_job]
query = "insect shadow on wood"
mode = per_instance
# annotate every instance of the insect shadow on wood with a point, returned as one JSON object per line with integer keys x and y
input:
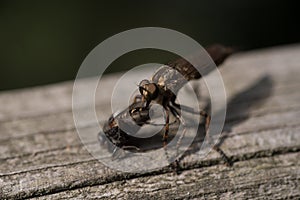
{"x": 238, "y": 110}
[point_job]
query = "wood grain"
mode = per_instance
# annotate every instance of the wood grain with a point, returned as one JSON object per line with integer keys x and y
{"x": 272, "y": 177}
{"x": 42, "y": 156}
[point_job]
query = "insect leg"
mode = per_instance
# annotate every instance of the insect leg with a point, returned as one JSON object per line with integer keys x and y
{"x": 216, "y": 147}
{"x": 207, "y": 123}
{"x": 191, "y": 110}
{"x": 166, "y": 133}
{"x": 116, "y": 153}
{"x": 179, "y": 117}
{"x": 173, "y": 99}
{"x": 202, "y": 113}
{"x": 176, "y": 164}
{"x": 207, "y": 120}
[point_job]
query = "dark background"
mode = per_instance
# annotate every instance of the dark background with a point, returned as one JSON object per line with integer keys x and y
{"x": 45, "y": 41}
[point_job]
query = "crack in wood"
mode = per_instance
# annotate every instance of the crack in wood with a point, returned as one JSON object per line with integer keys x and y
{"x": 129, "y": 176}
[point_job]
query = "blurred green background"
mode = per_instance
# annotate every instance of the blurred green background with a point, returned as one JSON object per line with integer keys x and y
{"x": 45, "y": 41}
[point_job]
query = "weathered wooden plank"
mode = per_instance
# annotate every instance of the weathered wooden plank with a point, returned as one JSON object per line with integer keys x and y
{"x": 62, "y": 174}
{"x": 40, "y": 129}
{"x": 63, "y": 122}
{"x": 245, "y": 142}
{"x": 40, "y": 152}
{"x": 57, "y": 139}
{"x": 282, "y": 98}
{"x": 275, "y": 177}
{"x": 45, "y": 100}
{"x": 46, "y": 141}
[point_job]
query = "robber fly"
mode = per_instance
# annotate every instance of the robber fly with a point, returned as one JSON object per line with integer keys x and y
{"x": 161, "y": 89}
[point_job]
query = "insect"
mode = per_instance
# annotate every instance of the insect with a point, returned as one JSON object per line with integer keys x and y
{"x": 112, "y": 127}
{"x": 161, "y": 89}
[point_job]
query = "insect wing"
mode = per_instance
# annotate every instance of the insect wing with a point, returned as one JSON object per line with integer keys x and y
{"x": 169, "y": 78}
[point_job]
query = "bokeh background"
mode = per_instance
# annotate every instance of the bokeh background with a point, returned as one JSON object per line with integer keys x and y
{"x": 45, "y": 42}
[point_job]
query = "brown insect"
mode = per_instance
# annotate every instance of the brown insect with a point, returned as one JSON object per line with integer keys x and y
{"x": 161, "y": 89}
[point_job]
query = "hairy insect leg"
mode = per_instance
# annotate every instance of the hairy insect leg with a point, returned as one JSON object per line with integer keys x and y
{"x": 216, "y": 147}
{"x": 176, "y": 165}
{"x": 201, "y": 113}
{"x": 166, "y": 132}
{"x": 191, "y": 110}
{"x": 173, "y": 101}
